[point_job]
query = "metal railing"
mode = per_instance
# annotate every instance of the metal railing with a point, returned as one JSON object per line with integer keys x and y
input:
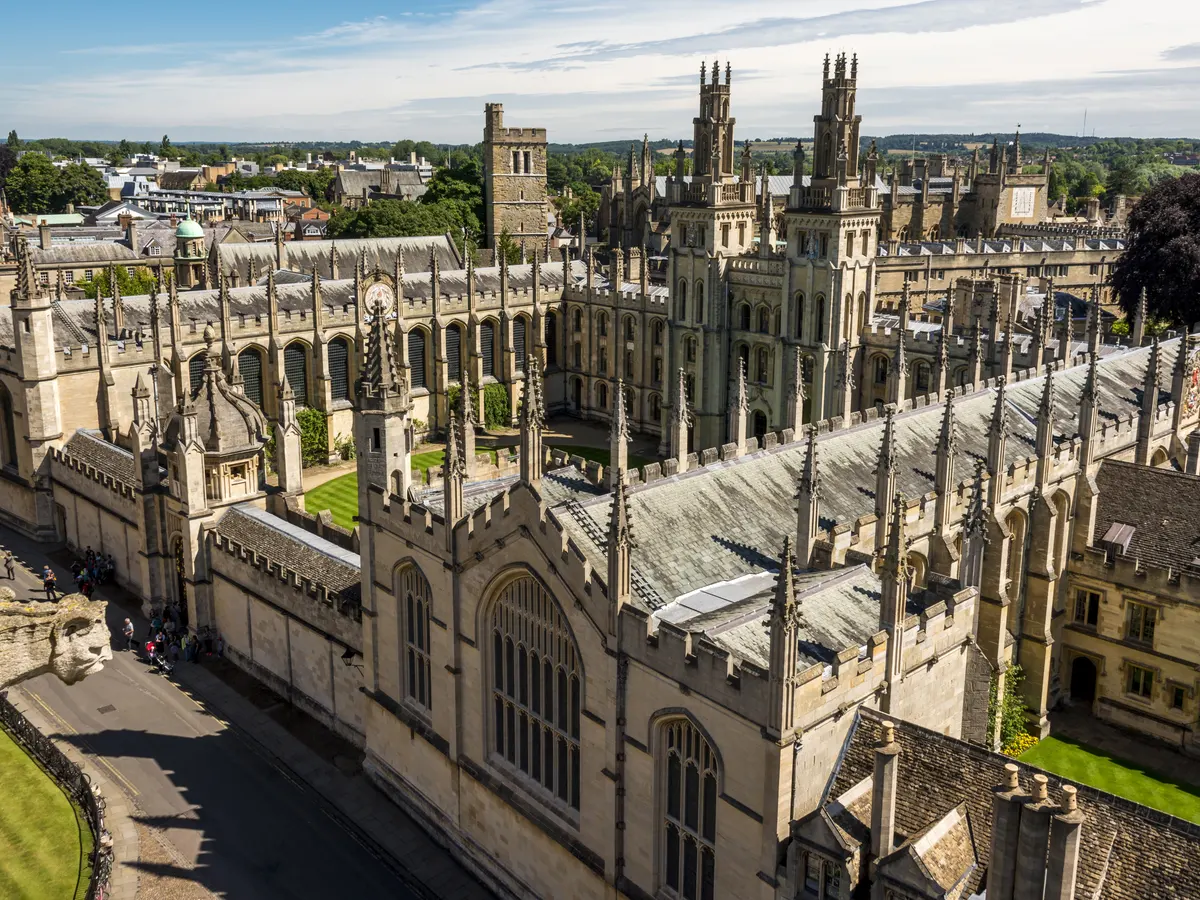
{"x": 75, "y": 782}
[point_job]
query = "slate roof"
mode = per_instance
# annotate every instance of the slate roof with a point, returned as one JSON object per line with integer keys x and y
{"x": 304, "y": 256}
{"x": 1127, "y": 852}
{"x": 79, "y": 252}
{"x": 309, "y": 556}
{"x": 693, "y": 530}
{"x": 90, "y": 448}
{"x": 1161, "y": 504}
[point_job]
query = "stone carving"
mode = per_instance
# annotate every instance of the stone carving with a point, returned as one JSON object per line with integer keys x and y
{"x": 69, "y": 638}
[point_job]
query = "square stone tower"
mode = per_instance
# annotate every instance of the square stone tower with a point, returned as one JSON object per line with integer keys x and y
{"x": 514, "y": 180}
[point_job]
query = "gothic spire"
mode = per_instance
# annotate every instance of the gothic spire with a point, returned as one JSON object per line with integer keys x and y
{"x": 948, "y": 439}
{"x": 783, "y": 606}
{"x": 1045, "y": 420}
{"x": 895, "y": 560}
{"x": 379, "y": 371}
{"x": 618, "y": 438}
{"x": 533, "y": 418}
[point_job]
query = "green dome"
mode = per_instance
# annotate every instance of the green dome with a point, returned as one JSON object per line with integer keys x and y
{"x": 189, "y": 229}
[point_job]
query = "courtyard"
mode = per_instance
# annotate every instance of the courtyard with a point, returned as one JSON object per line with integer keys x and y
{"x": 44, "y": 842}
{"x": 339, "y": 495}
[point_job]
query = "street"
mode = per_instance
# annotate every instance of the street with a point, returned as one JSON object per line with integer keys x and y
{"x": 230, "y": 821}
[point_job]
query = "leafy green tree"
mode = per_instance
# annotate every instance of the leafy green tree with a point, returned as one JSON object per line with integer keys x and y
{"x": 1162, "y": 255}
{"x": 79, "y": 185}
{"x": 314, "y": 183}
{"x": 507, "y": 248}
{"x": 403, "y": 218}
{"x": 142, "y": 281}
{"x": 8, "y": 159}
{"x": 32, "y": 185}
{"x": 125, "y": 149}
{"x": 165, "y": 149}
{"x": 582, "y": 200}
{"x": 14, "y": 142}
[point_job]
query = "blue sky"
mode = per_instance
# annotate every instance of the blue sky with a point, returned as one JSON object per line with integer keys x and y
{"x": 610, "y": 69}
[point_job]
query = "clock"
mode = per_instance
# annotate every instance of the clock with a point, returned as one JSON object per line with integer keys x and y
{"x": 379, "y": 294}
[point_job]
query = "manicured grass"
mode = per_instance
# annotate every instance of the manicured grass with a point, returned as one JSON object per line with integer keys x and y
{"x": 45, "y": 846}
{"x": 339, "y": 496}
{"x": 1097, "y": 769}
{"x": 422, "y": 462}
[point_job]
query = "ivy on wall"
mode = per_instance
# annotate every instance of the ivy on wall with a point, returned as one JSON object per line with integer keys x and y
{"x": 496, "y": 411}
{"x": 314, "y": 436}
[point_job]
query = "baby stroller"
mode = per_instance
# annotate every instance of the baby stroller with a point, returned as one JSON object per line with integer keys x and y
{"x": 158, "y": 661}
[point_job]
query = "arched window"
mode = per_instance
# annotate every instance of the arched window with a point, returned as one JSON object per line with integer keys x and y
{"x": 933, "y": 233}
{"x": 629, "y": 328}
{"x": 519, "y": 343}
{"x": 576, "y": 319}
{"x": 339, "y": 369}
{"x": 196, "y": 371}
{"x": 761, "y": 365}
{"x": 700, "y": 302}
{"x": 416, "y": 357}
{"x": 764, "y": 320}
{"x": 760, "y": 425}
{"x": 688, "y": 795}
{"x": 744, "y": 317}
{"x": 250, "y": 368}
{"x": 689, "y": 347}
{"x": 921, "y": 377}
{"x": 864, "y": 312}
{"x": 657, "y": 331}
{"x": 602, "y": 324}
{"x": 820, "y": 331}
{"x": 415, "y": 597}
{"x": 8, "y": 422}
{"x": 487, "y": 348}
{"x": 1016, "y": 552}
{"x": 551, "y": 339}
{"x": 681, "y": 301}
{"x": 295, "y": 368}
{"x": 454, "y": 353}
{"x": 536, "y": 689}
{"x": 602, "y": 395}
{"x": 799, "y": 316}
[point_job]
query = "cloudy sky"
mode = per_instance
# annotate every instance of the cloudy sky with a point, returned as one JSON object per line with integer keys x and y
{"x": 603, "y": 70}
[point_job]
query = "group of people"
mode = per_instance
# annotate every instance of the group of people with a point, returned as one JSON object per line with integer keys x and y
{"x": 95, "y": 569}
{"x": 167, "y": 641}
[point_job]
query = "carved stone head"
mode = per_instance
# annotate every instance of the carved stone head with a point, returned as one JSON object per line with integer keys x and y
{"x": 69, "y": 638}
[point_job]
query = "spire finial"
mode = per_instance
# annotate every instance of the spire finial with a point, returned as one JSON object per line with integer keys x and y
{"x": 783, "y": 609}
{"x": 895, "y": 561}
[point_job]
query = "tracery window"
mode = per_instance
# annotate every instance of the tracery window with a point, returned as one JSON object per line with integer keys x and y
{"x": 196, "y": 371}
{"x": 689, "y": 803}
{"x": 487, "y": 348}
{"x": 454, "y": 353}
{"x": 339, "y": 369}
{"x": 416, "y": 357}
{"x": 416, "y": 598}
{"x": 536, "y": 690}
{"x": 250, "y": 369}
{"x": 295, "y": 367}
{"x": 519, "y": 344}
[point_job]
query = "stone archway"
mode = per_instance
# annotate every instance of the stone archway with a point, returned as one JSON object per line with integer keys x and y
{"x": 1083, "y": 680}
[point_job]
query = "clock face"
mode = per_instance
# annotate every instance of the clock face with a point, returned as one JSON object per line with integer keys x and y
{"x": 379, "y": 294}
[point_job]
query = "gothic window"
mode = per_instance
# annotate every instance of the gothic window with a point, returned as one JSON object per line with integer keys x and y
{"x": 536, "y": 689}
{"x": 881, "y": 370}
{"x": 487, "y": 348}
{"x": 578, "y": 355}
{"x": 629, "y": 328}
{"x": 681, "y": 304}
{"x": 690, "y": 349}
{"x": 744, "y": 317}
{"x": 602, "y": 395}
{"x": 519, "y": 344}
{"x": 516, "y": 162}
{"x": 295, "y": 367}
{"x": 761, "y": 365}
{"x": 812, "y": 874}
{"x": 824, "y": 245}
{"x": 764, "y": 320}
{"x": 689, "y": 802}
{"x": 8, "y": 421}
{"x": 250, "y": 368}
{"x": 527, "y": 168}
{"x": 921, "y": 377}
{"x": 602, "y": 324}
{"x": 833, "y": 880}
{"x": 415, "y": 596}
{"x": 1087, "y": 608}
{"x": 454, "y": 353}
{"x": 339, "y": 369}
{"x": 866, "y": 243}
{"x": 799, "y": 316}
{"x": 196, "y": 371}
{"x": 724, "y": 234}
{"x": 551, "y": 340}
{"x": 657, "y": 331}
{"x": 576, "y": 319}
{"x": 820, "y": 332}
{"x": 776, "y": 318}
{"x": 416, "y": 357}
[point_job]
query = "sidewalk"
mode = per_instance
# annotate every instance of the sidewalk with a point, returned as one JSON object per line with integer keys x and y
{"x": 383, "y": 825}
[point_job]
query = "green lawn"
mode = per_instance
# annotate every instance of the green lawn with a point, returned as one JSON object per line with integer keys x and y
{"x": 339, "y": 496}
{"x": 1080, "y": 763}
{"x": 44, "y": 845}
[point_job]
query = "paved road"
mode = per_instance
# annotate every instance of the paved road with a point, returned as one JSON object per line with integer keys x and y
{"x": 233, "y": 822}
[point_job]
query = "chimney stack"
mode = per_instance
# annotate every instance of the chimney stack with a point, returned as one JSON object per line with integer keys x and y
{"x": 1030, "y": 879}
{"x": 883, "y": 792}
{"x": 1064, "y": 848}
{"x": 1007, "y": 799}
{"x": 44, "y": 238}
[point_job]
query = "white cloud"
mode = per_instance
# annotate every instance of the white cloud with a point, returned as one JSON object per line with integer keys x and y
{"x": 623, "y": 68}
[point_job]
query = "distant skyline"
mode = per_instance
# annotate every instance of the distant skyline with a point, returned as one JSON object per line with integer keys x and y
{"x": 608, "y": 70}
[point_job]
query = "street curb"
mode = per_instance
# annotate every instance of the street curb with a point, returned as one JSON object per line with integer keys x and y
{"x": 117, "y": 815}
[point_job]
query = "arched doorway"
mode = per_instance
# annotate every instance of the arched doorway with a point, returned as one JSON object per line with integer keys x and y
{"x": 1083, "y": 680}
{"x": 760, "y": 425}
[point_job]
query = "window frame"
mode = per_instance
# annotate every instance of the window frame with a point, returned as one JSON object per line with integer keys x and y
{"x": 688, "y": 809}
{"x": 1139, "y": 682}
{"x": 1141, "y": 619}
{"x": 414, "y": 597}
{"x": 1090, "y": 616}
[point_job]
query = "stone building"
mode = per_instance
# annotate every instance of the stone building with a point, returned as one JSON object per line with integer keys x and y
{"x": 514, "y": 180}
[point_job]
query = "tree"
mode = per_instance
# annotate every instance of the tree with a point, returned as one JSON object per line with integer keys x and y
{"x": 1162, "y": 256}
{"x": 125, "y": 149}
{"x": 508, "y": 248}
{"x": 14, "y": 142}
{"x": 165, "y": 148}
{"x": 79, "y": 185}
{"x": 32, "y": 185}
{"x": 8, "y": 159}
{"x": 403, "y": 218}
{"x": 141, "y": 282}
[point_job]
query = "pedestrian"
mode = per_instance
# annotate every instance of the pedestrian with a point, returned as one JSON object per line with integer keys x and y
{"x": 127, "y": 630}
{"x": 49, "y": 581}
{"x": 10, "y": 566}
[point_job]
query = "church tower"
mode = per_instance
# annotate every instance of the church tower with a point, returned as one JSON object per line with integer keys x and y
{"x": 836, "y": 128}
{"x": 712, "y": 220}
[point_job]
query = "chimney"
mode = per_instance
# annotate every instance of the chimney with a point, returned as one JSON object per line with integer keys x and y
{"x": 1031, "y": 845}
{"x": 1007, "y": 798}
{"x": 44, "y": 235}
{"x": 1064, "y": 848}
{"x": 131, "y": 235}
{"x": 412, "y": 157}
{"x": 883, "y": 792}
